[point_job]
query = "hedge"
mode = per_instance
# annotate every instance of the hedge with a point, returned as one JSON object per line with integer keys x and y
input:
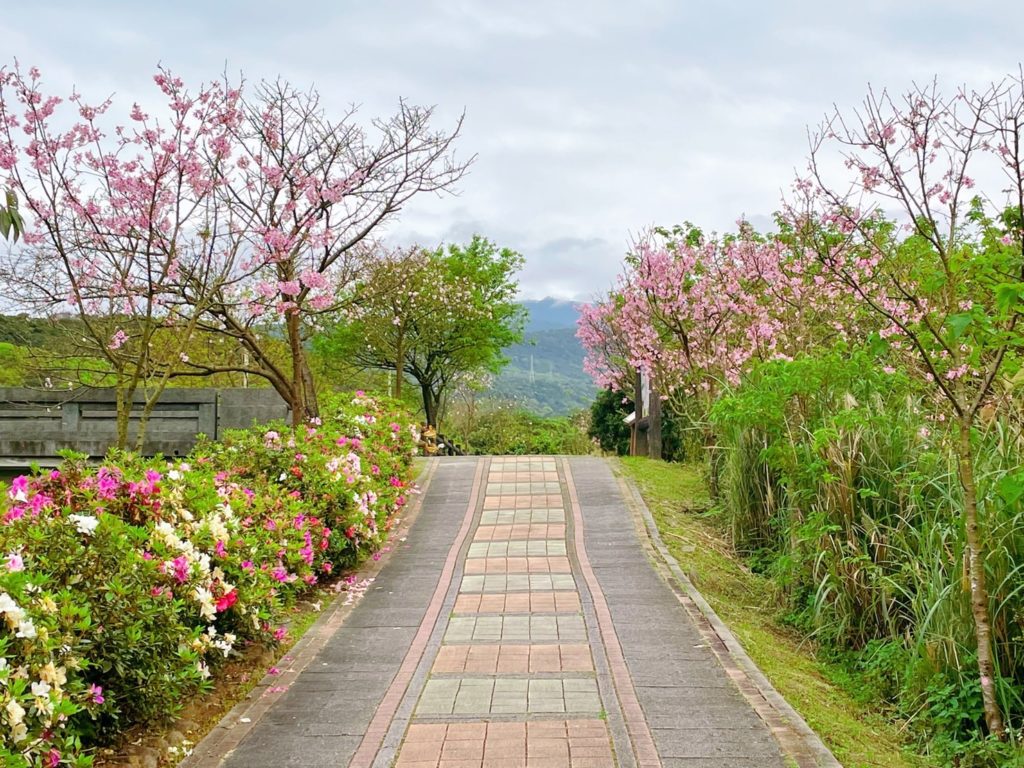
{"x": 124, "y": 586}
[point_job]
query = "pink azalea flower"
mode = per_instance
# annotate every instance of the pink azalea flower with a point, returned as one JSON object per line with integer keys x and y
{"x": 181, "y": 568}
{"x": 96, "y": 693}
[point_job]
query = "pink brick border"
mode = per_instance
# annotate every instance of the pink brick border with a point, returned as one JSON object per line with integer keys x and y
{"x": 636, "y": 724}
{"x": 381, "y": 721}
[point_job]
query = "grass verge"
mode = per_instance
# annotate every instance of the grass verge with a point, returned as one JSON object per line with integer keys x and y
{"x": 858, "y": 735}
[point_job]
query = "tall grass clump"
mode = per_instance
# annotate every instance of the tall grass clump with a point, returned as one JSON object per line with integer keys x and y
{"x": 839, "y": 483}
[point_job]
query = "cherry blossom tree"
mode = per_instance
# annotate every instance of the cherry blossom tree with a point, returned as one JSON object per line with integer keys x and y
{"x": 694, "y": 313}
{"x": 304, "y": 199}
{"x": 244, "y": 215}
{"x": 947, "y": 279}
{"x": 607, "y": 347}
{"x": 117, "y": 216}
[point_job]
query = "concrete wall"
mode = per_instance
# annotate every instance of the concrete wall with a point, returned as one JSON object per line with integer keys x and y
{"x": 35, "y": 424}
{"x": 241, "y": 408}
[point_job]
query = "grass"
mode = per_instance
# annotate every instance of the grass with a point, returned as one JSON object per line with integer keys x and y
{"x": 823, "y": 693}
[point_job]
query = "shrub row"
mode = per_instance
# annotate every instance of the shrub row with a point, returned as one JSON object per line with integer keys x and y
{"x": 123, "y": 586}
{"x": 513, "y": 431}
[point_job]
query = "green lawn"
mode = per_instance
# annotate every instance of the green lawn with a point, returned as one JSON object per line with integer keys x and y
{"x": 858, "y": 736}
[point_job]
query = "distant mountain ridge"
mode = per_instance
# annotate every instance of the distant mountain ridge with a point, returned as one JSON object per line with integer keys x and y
{"x": 545, "y": 372}
{"x": 550, "y": 314}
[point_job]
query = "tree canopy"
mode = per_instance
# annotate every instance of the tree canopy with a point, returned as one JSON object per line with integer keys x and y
{"x": 437, "y": 317}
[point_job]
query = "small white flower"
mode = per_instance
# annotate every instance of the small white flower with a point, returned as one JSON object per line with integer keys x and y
{"x": 41, "y": 689}
{"x": 15, "y": 712}
{"x": 174, "y": 475}
{"x": 26, "y": 629}
{"x": 7, "y": 604}
{"x": 84, "y": 523}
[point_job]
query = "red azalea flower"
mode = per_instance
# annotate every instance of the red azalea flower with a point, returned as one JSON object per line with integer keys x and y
{"x": 226, "y": 600}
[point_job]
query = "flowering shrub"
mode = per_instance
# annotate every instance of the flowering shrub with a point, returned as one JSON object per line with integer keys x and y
{"x": 122, "y": 586}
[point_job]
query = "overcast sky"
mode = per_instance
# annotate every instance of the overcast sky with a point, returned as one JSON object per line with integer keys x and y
{"x": 591, "y": 120}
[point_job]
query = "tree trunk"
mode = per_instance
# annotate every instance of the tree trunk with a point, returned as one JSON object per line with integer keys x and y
{"x": 124, "y": 413}
{"x": 654, "y": 449}
{"x": 140, "y": 438}
{"x": 399, "y": 366}
{"x": 429, "y": 405}
{"x": 979, "y": 592}
{"x": 310, "y": 399}
{"x": 303, "y": 393}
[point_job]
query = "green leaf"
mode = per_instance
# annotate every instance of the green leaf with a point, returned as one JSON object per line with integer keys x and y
{"x": 12, "y": 200}
{"x": 959, "y": 323}
{"x": 1008, "y": 295}
{"x": 1011, "y": 487}
{"x": 5, "y": 223}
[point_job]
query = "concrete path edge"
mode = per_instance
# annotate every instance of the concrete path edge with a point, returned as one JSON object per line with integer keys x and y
{"x": 809, "y": 743}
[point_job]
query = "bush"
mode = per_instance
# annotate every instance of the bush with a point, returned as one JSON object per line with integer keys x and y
{"x": 123, "y": 586}
{"x": 610, "y": 431}
{"x": 518, "y": 432}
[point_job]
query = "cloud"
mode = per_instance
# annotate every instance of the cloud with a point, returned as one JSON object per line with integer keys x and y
{"x": 591, "y": 120}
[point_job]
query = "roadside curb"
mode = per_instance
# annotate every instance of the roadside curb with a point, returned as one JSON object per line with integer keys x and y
{"x": 798, "y": 741}
{"x": 234, "y": 726}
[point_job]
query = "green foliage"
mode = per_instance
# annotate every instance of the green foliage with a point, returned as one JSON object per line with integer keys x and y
{"x": 12, "y": 223}
{"x": 437, "y": 316}
{"x": 606, "y": 422}
{"x": 516, "y": 432}
{"x": 12, "y": 365}
{"x": 840, "y": 485}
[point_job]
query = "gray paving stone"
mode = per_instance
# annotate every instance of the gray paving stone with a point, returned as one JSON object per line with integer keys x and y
{"x": 536, "y": 628}
{"x": 517, "y": 582}
{"x": 521, "y": 516}
{"x": 312, "y": 725}
{"x": 531, "y": 548}
{"x": 698, "y": 717}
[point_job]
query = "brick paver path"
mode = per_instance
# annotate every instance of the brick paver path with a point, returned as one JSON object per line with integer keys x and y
{"x": 521, "y": 625}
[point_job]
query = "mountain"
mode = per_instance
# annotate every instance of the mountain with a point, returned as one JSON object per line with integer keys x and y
{"x": 550, "y": 314}
{"x": 545, "y": 373}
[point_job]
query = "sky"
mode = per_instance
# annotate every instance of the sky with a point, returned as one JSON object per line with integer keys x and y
{"x": 590, "y": 120}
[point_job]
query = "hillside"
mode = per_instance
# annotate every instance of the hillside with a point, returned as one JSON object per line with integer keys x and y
{"x": 545, "y": 373}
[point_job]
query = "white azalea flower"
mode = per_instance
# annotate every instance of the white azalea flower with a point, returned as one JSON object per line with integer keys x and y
{"x": 8, "y": 606}
{"x": 84, "y": 523}
{"x": 15, "y": 713}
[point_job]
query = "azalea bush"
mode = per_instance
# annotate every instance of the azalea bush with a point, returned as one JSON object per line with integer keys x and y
{"x": 123, "y": 586}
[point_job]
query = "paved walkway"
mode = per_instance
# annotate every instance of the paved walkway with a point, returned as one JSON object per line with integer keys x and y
{"x": 520, "y": 623}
